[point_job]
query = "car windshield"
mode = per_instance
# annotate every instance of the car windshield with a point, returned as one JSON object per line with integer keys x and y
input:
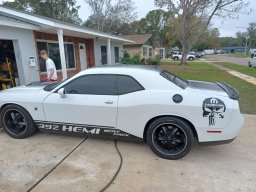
{"x": 182, "y": 83}
{"x": 53, "y": 85}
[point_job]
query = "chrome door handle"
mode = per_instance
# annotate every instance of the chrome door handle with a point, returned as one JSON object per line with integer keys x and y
{"x": 109, "y": 102}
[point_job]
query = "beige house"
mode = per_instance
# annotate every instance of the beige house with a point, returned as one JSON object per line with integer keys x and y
{"x": 142, "y": 43}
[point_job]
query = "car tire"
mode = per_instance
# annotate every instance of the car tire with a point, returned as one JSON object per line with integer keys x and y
{"x": 170, "y": 137}
{"x": 17, "y": 122}
{"x": 176, "y": 58}
{"x": 249, "y": 64}
{"x": 190, "y": 58}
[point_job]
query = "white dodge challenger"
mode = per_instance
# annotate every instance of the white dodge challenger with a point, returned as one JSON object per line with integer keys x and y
{"x": 129, "y": 102}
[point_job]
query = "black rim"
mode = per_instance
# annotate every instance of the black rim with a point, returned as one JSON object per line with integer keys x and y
{"x": 15, "y": 122}
{"x": 169, "y": 139}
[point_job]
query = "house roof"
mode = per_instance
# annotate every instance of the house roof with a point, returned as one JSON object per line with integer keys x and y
{"x": 46, "y": 24}
{"x": 138, "y": 39}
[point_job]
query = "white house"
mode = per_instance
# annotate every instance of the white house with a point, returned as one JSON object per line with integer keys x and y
{"x": 72, "y": 47}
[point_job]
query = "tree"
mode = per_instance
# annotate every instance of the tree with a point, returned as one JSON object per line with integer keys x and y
{"x": 251, "y": 31}
{"x": 109, "y": 15}
{"x": 209, "y": 40}
{"x": 194, "y": 16}
{"x": 155, "y": 23}
{"x": 241, "y": 38}
{"x": 131, "y": 28}
{"x": 62, "y": 10}
{"x": 229, "y": 42}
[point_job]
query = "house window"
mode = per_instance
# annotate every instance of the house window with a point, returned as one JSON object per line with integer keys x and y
{"x": 116, "y": 54}
{"x": 145, "y": 51}
{"x": 150, "y": 52}
{"x": 53, "y": 51}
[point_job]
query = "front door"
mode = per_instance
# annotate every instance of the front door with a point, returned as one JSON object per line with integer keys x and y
{"x": 82, "y": 54}
{"x": 91, "y": 100}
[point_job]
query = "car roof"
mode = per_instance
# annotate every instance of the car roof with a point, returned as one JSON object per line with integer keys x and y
{"x": 123, "y": 69}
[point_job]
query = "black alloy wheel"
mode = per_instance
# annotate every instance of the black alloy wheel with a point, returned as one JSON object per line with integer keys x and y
{"x": 17, "y": 122}
{"x": 170, "y": 137}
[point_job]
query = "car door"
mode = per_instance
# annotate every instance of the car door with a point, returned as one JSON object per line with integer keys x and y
{"x": 90, "y": 100}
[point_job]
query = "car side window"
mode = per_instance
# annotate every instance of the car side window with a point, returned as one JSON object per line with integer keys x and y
{"x": 127, "y": 84}
{"x": 93, "y": 85}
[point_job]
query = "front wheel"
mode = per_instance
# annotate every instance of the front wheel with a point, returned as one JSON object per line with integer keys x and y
{"x": 17, "y": 122}
{"x": 170, "y": 137}
{"x": 249, "y": 64}
{"x": 190, "y": 58}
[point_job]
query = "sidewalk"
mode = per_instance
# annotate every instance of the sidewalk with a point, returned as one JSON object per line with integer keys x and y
{"x": 247, "y": 78}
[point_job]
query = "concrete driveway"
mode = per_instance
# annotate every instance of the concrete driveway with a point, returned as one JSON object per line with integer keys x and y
{"x": 61, "y": 163}
{"x": 226, "y": 58}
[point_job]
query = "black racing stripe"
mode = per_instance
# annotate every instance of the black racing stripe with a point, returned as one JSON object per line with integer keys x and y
{"x": 84, "y": 130}
{"x": 74, "y": 124}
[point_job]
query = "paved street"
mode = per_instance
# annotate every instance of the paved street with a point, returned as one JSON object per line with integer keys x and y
{"x": 62, "y": 163}
{"x": 235, "y": 60}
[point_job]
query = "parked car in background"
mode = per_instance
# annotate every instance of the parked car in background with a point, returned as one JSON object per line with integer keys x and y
{"x": 252, "y": 62}
{"x": 209, "y": 51}
{"x": 178, "y": 55}
{"x": 219, "y": 51}
{"x": 199, "y": 54}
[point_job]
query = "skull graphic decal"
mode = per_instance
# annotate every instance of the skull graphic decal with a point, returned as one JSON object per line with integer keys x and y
{"x": 213, "y": 108}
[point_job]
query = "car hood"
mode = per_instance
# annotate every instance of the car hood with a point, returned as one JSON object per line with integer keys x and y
{"x": 25, "y": 93}
{"x": 35, "y": 86}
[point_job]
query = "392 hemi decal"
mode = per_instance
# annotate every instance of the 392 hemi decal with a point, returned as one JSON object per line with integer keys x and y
{"x": 83, "y": 130}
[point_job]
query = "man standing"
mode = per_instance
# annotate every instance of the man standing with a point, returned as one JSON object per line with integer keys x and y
{"x": 50, "y": 66}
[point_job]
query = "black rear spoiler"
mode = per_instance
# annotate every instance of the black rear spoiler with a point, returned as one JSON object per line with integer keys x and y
{"x": 231, "y": 91}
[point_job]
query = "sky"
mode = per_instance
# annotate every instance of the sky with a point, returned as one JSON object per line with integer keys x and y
{"x": 227, "y": 27}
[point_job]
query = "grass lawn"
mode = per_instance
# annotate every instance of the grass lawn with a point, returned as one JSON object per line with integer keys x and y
{"x": 243, "y": 69}
{"x": 239, "y": 55}
{"x": 204, "y": 72}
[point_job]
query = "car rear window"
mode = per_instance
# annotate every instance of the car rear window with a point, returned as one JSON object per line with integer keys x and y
{"x": 182, "y": 83}
{"x": 127, "y": 84}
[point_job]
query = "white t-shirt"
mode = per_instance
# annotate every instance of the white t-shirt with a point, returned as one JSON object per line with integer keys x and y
{"x": 50, "y": 65}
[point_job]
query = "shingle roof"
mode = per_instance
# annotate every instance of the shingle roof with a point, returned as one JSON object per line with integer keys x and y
{"x": 139, "y": 39}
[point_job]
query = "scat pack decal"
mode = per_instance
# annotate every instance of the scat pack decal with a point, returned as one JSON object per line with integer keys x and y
{"x": 213, "y": 108}
{"x": 83, "y": 130}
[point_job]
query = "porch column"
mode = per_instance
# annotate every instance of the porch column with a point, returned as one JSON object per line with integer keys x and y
{"x": 109, "y": 52}
{"x": 62, "y": 53}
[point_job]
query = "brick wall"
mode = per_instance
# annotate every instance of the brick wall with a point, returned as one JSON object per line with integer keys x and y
{"x": 89, "y": 51}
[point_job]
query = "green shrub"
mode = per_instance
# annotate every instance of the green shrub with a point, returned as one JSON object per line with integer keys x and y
{"x": 154, "y": 61}
{"x": 130, "y": 58}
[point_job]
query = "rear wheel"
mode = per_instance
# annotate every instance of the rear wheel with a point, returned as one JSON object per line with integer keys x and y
{"x": 17, "y": 122}
{"x": 176, "y": 58}
{"x": 249, "y": 64}
{"x": 170, "y": 137}
{"x": 190, "y": 58}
